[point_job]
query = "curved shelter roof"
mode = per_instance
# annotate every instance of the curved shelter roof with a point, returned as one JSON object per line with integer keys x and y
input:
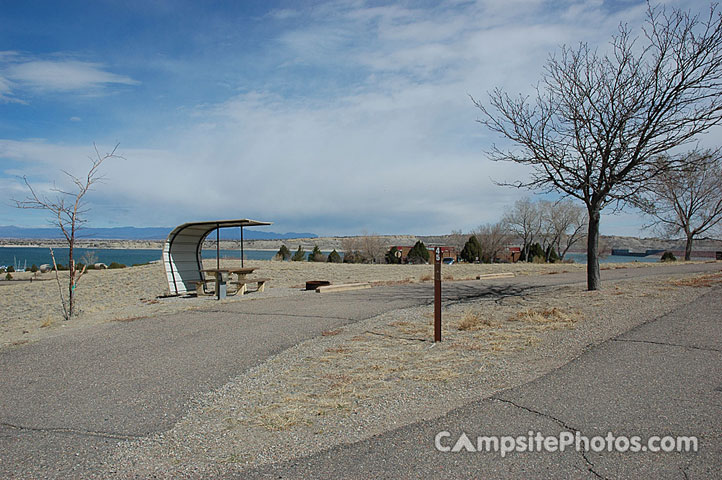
{"x": 182, "y": 251}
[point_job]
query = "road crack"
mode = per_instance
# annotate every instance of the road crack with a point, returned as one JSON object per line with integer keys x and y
{"x": 73, "y": 431}
{"x": 694, "y": 347}
{"x": 561, "y": 423}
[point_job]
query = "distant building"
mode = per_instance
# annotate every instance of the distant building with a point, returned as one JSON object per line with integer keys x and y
{"x": 509, "y": 255}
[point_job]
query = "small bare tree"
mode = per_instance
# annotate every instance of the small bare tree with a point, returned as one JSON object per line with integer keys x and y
{"x": 524, "y": 221}
{"x": 599, "y": 122}
{"x": 364, "y": 249}
{"x": 457, "y": 239}
{"x": 564, "y": 224}
{"x": 68, "y": 209}
{"x": 493, "y": 238}
{"x": 688, "y": 201}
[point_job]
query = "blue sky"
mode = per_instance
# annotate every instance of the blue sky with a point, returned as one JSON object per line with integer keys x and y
{"x": 331, "y": 117}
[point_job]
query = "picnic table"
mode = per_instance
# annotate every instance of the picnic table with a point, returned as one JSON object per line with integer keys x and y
{"x": 222, "y": 276}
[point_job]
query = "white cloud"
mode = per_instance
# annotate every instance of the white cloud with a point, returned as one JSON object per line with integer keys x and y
{"x": 64, "y": 75}
{"x": 394, "y": 149}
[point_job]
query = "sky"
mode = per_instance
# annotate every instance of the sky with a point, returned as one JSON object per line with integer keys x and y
{"x": 336, "y": 117}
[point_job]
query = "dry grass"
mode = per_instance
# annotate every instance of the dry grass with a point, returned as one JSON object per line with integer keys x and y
{"x": 705, "y": 280}
{"x": 472, "y": 320}
{"x": 348, "y": 369}
{"x": 547, "y": 316}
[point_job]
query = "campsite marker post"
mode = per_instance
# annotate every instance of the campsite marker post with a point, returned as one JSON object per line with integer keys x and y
{"x": 437, "y": 294}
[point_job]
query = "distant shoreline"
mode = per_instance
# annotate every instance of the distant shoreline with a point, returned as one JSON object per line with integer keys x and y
{"x": 337, "y": 243}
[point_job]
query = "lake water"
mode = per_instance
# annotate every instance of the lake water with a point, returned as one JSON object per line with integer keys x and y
{"x": 582, "y": 258}
{"x": 40, "y": 255}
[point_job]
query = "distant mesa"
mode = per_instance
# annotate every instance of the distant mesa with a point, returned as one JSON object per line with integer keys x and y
{"x": 138, "y": 233}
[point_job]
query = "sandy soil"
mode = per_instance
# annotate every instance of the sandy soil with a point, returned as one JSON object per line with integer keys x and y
{"x": 31, "y": 309}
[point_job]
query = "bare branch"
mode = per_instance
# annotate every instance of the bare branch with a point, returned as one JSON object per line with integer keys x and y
{"x": 599, "y": 123}
{"x": 68, "y": 210}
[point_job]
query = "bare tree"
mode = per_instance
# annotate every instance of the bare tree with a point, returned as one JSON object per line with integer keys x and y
{"x": 688, "y": 201}
{"x": 493, "y": 238}
{"x": 599, "y": 121}
{"x": 457, "y": 239}
{"x": 68, "y": 209}
{"x": 524, "y": 221}
{"x": 563, "y": 226}
{"x": 373, "y": 247}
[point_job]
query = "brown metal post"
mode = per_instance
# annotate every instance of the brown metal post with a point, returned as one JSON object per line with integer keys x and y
{"x": 241, "y": 246}
{"x": 218, "y": 246}
{"x": 437, "y": 294}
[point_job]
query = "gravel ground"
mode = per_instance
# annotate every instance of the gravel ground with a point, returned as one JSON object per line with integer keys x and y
{"x": 382, "y": 373}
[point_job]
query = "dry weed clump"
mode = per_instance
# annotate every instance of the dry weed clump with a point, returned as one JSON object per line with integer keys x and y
{"x": 706, "y": 280}
{"x": 472, "y": 320}
{"x": 553, "y": 317}
{"x": 425, "y": 278}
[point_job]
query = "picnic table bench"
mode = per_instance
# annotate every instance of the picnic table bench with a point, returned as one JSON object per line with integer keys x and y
{"x": 220, "y": 279}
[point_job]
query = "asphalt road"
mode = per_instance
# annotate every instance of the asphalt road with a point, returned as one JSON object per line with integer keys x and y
{"x": 65, "y": 402}
{"x": 661, "y": 378}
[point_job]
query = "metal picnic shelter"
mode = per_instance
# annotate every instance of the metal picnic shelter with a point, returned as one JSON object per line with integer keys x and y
{"x": 182, "y": 251}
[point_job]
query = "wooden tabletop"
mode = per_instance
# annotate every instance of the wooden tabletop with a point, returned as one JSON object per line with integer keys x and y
{"x": 242, "y": 271}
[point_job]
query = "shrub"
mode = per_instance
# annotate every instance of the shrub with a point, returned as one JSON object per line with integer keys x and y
{"x": 316, "y": 255}
{"x": 115, "y": 265}
{"x": 283, "y": 253}
{"x": 11, "y": 269}
{"x": 334, "y": 257}
{"x": 34, "y": 268}
{"x": 472, "y": 250}
{"x": 79, "y": 266}
{"x": 535, "y": 250}
{"x": 391, "y": 256}
{"x": 2, "y": 269}
{"x": 8, "y": 277}
{"x": 61, "y": 267}
{"x": 418, "y": 253}
{"x": 668, "y": 257}
{"x": 299, "y": 255}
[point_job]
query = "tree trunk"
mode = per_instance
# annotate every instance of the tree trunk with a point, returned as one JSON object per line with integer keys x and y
{"x": 593, "y": 274}
{"x": 688, "y": 248}
{"x": 71, "y": 282}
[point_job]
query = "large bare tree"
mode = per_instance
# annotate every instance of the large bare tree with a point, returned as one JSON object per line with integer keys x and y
{"x": 599, "y": 120}
{"x": 687, "y": 201}
{"x": 68, "y": 211}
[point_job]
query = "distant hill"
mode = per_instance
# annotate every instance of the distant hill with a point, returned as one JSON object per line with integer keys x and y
{"x": 138, "y": 233}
